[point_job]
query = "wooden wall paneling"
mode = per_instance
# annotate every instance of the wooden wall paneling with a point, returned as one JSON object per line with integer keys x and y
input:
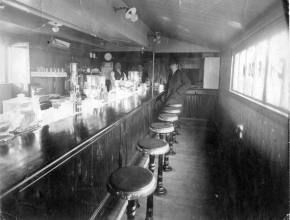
{"x": 60, "y": 59}
{"x": 113, "y": 148}
{"x": 123, "y": 147}
{"x": 5, "y": 94}
{"x": 39, "y": 58}
{"x": 199, "y": 106}
{"x": 135, "y": 131}
{"x": 68, "y": 192}
{"x": 147, "y": 119}
{"x": 100, "y": 167}
{"x": 151, "y": 106}
{"x": 18, "y": 88}
{"x": 266, "y": 137}
{"x": 132, "y": 133}
{"x": 59, "y": 83}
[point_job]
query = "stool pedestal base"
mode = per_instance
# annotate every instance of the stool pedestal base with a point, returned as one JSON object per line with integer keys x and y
{"x": 166, "y": 167}
{"x": 162, "y": 192}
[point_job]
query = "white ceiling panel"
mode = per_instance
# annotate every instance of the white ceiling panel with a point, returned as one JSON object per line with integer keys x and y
{"x": 209, "y": 23}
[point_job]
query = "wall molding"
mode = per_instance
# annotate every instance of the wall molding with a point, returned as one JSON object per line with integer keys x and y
{"x": 273, "y": 114}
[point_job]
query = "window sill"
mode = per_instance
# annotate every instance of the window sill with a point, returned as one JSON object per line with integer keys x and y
{"x": 276, "y": 115}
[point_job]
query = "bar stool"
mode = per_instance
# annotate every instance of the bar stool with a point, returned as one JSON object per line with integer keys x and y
{"x": 163, "y": 131}
{"x": 173, "y": 110}
{"x": 172, "y": 118}
{"x": 177, "y": 106}
{"x": 131, "y": 183}
{"x": 154, "y": 147}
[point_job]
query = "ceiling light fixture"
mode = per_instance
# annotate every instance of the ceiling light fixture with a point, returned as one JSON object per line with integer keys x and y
{"x": 130, "y": 13}
{"x": 55, "y": 26}
{"x": 2, "y": 6}
{"x": 165, "y": 18}
{"x": 156, "y": 37}
{"x": 235, "y": 24}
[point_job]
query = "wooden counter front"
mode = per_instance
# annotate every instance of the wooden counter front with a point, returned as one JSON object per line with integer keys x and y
{"x": 200, "y": 103}
{"x": 60, "y": 170}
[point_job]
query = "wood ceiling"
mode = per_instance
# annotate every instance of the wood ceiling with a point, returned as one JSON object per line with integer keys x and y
{"x": 208, "y": 23}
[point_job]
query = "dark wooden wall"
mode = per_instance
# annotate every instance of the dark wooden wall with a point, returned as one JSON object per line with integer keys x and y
{"x": 265, "y": 136}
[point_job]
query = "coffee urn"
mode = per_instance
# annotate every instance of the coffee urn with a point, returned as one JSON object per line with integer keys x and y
{"x": 73, "y": 69}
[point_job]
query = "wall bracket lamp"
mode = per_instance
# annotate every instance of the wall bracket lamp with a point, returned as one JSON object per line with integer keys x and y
{"x": 130, "y": 13}
{"x": 55, "y": 26}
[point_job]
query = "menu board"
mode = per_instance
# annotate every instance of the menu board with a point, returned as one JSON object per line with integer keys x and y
{"x": 211, "y": 72}
{"x": 107, "y": 67}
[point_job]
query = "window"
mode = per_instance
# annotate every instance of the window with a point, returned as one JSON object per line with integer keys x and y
{"x": 249, "y": 73}
{"x": 19, "y": 66}
{"x": 236, "y": 72}
{"x": 276, "y": 77}
{"x": 242, "y": 71}
{"x": 260, "y": 70}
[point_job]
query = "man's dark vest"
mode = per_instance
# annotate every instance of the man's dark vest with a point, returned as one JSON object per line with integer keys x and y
{"x": 118, "y": 76}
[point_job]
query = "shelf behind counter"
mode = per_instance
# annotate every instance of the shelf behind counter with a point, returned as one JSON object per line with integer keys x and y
{"x": 60, "y": 170}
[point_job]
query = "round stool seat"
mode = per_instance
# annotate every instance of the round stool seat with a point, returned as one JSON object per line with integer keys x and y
{"x": 131, "y": 182}
{"x": 168, "y": 117}
{"x": 174, "y": 110}
{"x": 161, "y": 127}
{"x": 175, "y": 105}
{"x": 153, "y": 146}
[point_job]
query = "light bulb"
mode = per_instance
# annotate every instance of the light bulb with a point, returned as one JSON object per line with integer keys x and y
{"x": 134, "y": 17}
{"x": 55, "y": 28}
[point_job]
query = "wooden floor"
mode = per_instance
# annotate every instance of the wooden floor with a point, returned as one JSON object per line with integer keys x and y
{"x": 189, "y": 188}
{"x": 215, "y": 178}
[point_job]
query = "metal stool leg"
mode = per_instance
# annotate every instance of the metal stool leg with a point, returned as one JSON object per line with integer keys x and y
{"x": 131, "y": 209}
{"x": 149, "y": 210}
{"x": 175, "y": 133}
{"x": 166, "y": 167}
{"x": 170, "y": 138}
{"x": 160, "y": 190}
{"x": 176, "y": 127}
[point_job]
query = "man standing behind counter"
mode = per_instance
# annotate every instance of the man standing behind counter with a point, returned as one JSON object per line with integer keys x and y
{"x": 144, "y": 75}
{"x": 175, "y": 89}
{"x": 117, "y": 74}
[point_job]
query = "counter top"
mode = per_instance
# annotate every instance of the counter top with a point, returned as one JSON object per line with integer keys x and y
{"x": 200, "y": 91}
{"x": 30, "y": 155}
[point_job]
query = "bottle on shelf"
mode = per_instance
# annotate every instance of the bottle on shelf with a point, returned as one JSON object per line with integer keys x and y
{"x": 78, "y": 100}
{"x": 104, "y": 93}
